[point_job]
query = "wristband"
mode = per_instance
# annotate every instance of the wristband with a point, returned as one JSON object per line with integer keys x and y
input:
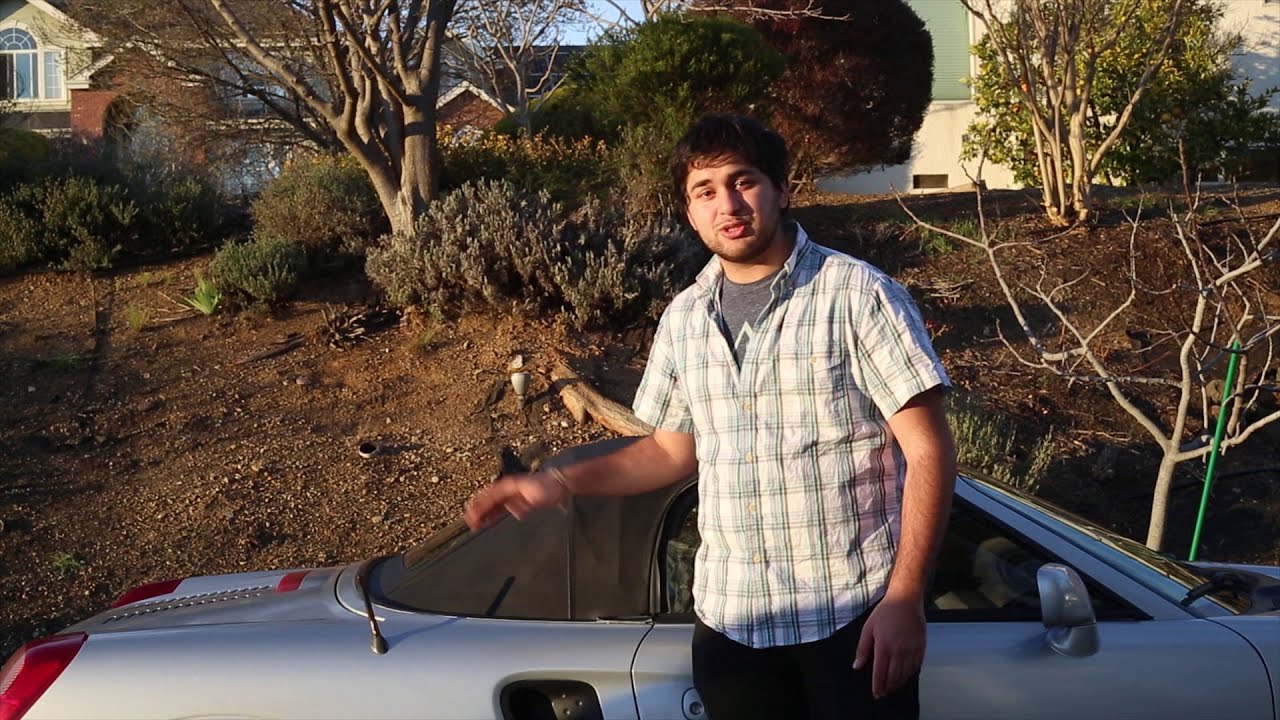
{"x": 558, "y": 475}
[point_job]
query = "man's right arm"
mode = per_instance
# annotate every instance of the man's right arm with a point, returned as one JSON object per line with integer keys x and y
{"x": 656, "y": 460}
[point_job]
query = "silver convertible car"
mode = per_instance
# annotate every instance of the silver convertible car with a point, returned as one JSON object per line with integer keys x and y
{"x": 585, "y": 613}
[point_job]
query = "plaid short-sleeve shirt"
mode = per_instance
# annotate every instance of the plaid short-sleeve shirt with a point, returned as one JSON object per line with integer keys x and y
{"x": 800, "y": 478}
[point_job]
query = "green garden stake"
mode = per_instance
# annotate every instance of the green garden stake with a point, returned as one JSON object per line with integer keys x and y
{"x": 1218, "y": 432}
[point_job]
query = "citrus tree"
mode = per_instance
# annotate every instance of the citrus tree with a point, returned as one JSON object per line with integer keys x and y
{"x": 1192, "y": 107}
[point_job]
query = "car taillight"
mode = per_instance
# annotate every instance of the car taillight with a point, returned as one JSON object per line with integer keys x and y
{"x": 33, "y": 669}
{"x": 150, "y": 590}
{"x": 292, "y": 581}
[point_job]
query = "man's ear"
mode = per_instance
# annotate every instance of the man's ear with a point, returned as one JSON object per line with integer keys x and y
{"x": 784, "y": 200}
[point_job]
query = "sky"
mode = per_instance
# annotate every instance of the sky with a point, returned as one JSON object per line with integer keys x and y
{"x": 583, "y": 36}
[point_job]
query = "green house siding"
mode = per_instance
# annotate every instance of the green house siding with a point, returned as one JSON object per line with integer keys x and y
{"x": 948, "y": 23}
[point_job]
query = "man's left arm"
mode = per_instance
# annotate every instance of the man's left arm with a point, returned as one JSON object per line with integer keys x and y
{"x": 893, "y": 638}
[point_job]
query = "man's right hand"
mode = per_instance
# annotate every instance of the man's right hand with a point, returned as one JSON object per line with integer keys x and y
{"x": 517, "y": 495}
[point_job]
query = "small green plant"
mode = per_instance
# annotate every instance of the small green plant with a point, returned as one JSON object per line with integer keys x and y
{"x": 427, "y": 338}
{"x": 135, "y": 317}
{"x": 150, "y": 279}
{"x": 266, "y": 270}
{"x": 67, "y": 564}
{"x": 62, "y": 362}
{"x": 206, "y": 298}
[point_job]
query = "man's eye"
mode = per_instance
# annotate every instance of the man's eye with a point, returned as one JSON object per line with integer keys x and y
{"x": 746, "y": 183}
{"x": 702, "y": 194}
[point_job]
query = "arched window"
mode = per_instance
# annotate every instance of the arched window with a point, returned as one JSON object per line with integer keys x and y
{"x": 26, "y": 73}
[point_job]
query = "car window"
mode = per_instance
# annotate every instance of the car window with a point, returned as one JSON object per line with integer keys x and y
{"x": 677, "y": 561}
{"x": 983, "y": 572}
{"x": 981, "y": 568}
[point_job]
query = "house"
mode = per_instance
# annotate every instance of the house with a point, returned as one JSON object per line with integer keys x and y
{"x": 935, "y": 162}
{"x": 48, "y": 65}
{"x": 468, "y": 109}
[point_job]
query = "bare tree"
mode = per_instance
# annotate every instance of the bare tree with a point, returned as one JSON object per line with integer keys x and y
{"x": 1221, "y": 301}
{"x": 363, "y": 75}
{"x": 1048, "y": 56}
{"x": 514, "y": 47}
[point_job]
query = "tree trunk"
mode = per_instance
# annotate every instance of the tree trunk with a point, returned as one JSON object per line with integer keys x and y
{"x": 405, "y": 196}
{"x": 1160, "y": 501}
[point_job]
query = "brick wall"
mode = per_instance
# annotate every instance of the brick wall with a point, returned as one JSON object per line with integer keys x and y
{"x": 89, "y": 113}
{"x": 469, "y": 110}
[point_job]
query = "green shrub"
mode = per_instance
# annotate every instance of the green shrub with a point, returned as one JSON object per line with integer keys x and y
{"x": 178, "y": 210}
{"x": 567, "y": 170}
{"x": 988, "y": 444}
{"x": 20, "y": 151}
{"x": 265, "y": 269}
{"x": 640, "y": 161}
{"x": 20, "y": 238}
{"x": 490, "y": 243}
{"x": 86, "y": 222}
{"x": 322, "y": 203}
{"x": 671, "y": 69}
{"x": 623, "y": 266}
{"x": 566, "y": 114}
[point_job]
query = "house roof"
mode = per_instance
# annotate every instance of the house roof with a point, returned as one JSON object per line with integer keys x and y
{"x": 55, "y": 10}
{"x": 465, "y": 86}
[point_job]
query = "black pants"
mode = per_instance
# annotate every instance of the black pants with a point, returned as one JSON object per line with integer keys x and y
{"x": 813, "y": 680}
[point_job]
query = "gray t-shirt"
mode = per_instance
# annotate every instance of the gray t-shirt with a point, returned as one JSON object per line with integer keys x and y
{"x": 741, "y": 307}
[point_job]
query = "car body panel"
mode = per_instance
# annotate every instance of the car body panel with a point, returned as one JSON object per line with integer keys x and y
{"x": 222, "y": 599}
{"x": 1153, "y": 669}
{"x": 435, "y": 667}
{"x": 1263, "y": 632}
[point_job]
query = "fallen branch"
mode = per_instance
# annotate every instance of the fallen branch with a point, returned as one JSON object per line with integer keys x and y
{"x": 584, "y": 400}
{"x": 287, "y": 345}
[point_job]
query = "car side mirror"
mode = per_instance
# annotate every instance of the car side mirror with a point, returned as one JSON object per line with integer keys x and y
{"x": 1066, "y": 611}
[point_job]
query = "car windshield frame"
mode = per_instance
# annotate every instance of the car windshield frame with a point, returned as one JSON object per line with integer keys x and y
{"x": 1169, "y": 578}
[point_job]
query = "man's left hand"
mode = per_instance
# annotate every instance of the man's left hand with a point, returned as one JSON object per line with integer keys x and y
{"x": 893, "y": 639}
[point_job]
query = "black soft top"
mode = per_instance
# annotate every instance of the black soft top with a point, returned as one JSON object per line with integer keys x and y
{"x": 592, "y": 560}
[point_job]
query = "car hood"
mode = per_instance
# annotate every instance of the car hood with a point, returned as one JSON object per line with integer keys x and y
{"x": 220, "y": 599}
{"x": 1268, "y": 570}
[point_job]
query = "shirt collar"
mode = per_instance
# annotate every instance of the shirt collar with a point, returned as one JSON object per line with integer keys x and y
{"x": 712, "y": 274}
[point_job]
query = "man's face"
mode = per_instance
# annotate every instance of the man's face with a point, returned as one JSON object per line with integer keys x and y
{"x": 735, "y": 208}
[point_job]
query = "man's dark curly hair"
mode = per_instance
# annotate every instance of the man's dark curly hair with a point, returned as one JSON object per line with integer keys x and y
{"x": 718, "y": 137}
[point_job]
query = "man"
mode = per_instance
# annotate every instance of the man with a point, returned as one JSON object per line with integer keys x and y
{"x": 802, "y": 387}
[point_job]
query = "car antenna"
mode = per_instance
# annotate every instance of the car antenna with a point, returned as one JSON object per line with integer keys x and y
{"x": 379, "y": 644}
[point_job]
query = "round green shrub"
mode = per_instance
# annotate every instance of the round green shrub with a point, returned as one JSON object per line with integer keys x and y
{"x": 177, "y": 210}
{"x": 323, "y": 203}
{"x": 86, "y": 222}
{"x": 267, "y": 270}
{"x": 20, "y": 151}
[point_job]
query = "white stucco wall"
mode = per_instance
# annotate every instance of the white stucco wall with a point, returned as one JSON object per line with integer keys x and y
{"x": 936, "y": 152}
{"x": 1258, "y": 21}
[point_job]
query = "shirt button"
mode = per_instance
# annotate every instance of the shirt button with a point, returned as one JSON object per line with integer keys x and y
{"x": 749, "y": 458}
{"x": 746, "y": 406}
{"x": 751, "y": 507}
{"x": 755, "y": 558}
{"x": 813, "y": 359}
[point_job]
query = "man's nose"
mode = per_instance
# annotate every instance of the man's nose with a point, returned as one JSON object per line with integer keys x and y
{"x": 731, "y": 201}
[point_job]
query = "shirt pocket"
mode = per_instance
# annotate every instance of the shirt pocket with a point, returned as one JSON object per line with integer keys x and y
{"x": 813, "y": 380}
